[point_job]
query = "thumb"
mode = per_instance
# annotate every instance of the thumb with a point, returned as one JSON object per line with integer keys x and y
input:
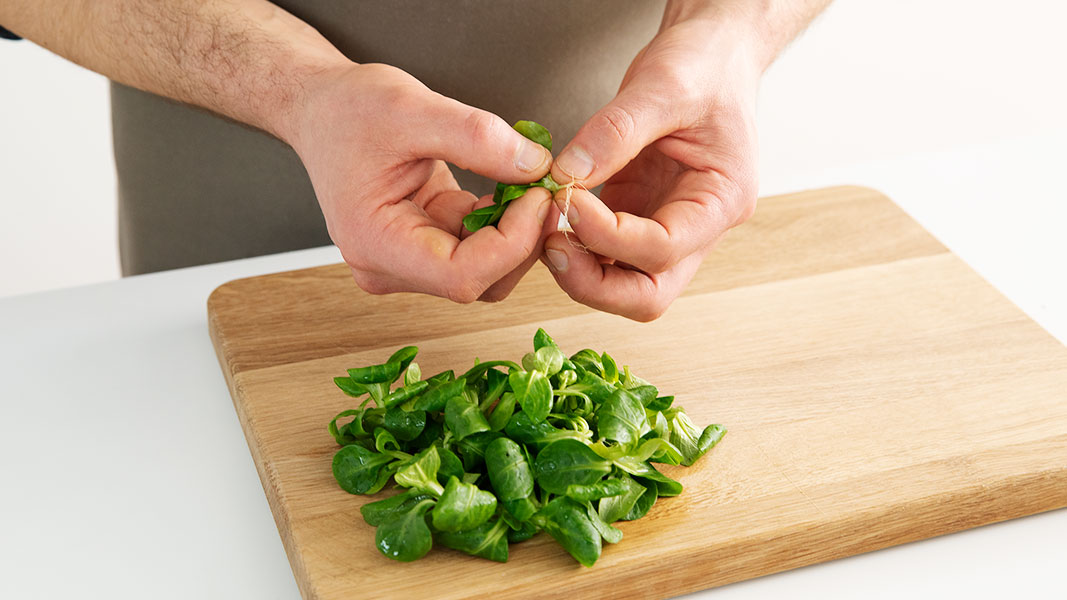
{"x": 478, "y": 141}
{"x": 613, "y": 137}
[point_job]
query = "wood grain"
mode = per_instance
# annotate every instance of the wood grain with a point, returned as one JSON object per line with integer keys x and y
{"x": 876, "y": 390}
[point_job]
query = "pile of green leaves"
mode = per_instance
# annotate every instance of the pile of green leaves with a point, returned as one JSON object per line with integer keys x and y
{"x": 505, "y": 193}
{"x": 505, "y": 450}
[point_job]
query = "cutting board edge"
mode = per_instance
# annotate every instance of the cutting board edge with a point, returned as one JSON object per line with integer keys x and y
{"x": 282, "y": 518}
{"x": 989, "y": 506}
{"x": 746, "y": 559}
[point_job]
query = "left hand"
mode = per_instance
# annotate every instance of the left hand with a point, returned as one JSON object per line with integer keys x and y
{"x": 676, "y": 151}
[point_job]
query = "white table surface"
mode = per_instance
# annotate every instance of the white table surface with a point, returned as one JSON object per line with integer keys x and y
{"x": 125, "y": 473}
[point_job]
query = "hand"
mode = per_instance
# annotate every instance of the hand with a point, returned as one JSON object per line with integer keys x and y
{"x": 676, "y": 151}
{"x": 374, "y": 141}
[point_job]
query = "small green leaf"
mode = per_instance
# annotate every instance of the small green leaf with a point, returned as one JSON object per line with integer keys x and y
{"x": 346, "y": 437}
{"x": 523, "y": 428}
{"x": 376, "y": 513}
{"x": 451, "y": 466}
{"x": 542, "y": 339}
{"x": 412, "y": 374}
{"x": 498, "y": 192}
{"x": 568, "y": 462}
{"x": 643, "y": 504}
{"x": 462, "y": 506}
{"x": 357, "y": 469}
{"x": 607, "y": 531}
{"x": 405, "y": 425}
{"x": 488, "y": 540}
{"x": 503, "y": 412}
{"x": 386, "y": 373}
{"x": 495, "y": 384}
{"x": 421, "y": 472}
{"x": 611, "y": 370}
{"x": 691, "y": 442}
{"x": 536, "y": 132}
{"x": 567, "y": 522}
{"x": 622, "y": 418}
{"x": 665, "y": 486}
{"x": 437, "y": 395}
{"x": 646, "y": 394}
{"x": 472, "y": 449}
{"x": 548, "y": 360}
{"x": 403, "y": 394}
{"x": 384, "y": 441}
{"x": 533, "y": 392}
{"x": 513, "y": 192}
{"x": 661, "y": 403}
{"x": 595, "y": 491}
{"x": 511, "y": 476}
{"x": 614, "y": 508}
{"x": 403, "y": 357}
{"x": 463, "y": 418}
{"x": 480, "y": 217}
{"x": 406, "y": 537}
{"x": 350, "y": 387}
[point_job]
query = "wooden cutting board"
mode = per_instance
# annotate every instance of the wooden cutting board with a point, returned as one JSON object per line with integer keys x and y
{"x": 876, "y": 391}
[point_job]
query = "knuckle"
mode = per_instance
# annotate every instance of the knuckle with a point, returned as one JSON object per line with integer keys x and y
{"x": 681, "y": 86}
{"x": 662, "y": 259}
{"x": 618, "y": 122}
{"x": 483, "y": 128}
{"x": 648, "y": 313}
{"x": 369, "y": 283}
{"x": 463, "y": 291}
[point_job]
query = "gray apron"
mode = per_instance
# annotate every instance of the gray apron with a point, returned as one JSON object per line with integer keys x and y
{"x": 195, "y": 188}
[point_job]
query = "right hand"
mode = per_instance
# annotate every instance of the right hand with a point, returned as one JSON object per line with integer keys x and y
{"x": 374, "y": 141}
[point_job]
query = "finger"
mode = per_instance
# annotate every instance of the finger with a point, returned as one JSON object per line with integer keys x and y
{"x": 503, "y": 288}
{"x": 478, "y": 141}
{"x": 613, "y": 288}
{"x": 482, "y": 202}
{"x": 614, "y": 136}
{"x": 443, "y": 201}
{"x": 698, "y": 208}
{"x": 423, "y": 258}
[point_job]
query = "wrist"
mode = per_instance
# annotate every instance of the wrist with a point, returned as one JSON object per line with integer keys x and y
{"x": 297, "y": 109}
{"x": 740, "y": 25}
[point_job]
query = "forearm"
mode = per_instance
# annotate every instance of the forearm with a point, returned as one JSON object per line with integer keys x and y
{"x": 246, "y": 59}
{"x": 768, "y": 25}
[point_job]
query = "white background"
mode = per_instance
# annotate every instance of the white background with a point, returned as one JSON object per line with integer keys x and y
{"x": 868, "y": 81}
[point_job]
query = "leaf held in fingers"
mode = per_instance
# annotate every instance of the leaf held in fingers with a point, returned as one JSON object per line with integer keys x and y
{"x": 536, "y": 132}
{"x": 481, "y": 217}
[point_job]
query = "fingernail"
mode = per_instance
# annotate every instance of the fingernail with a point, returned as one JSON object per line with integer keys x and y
{"x": 557, "y": 259}
{"x": 531, "y": 157}
{"x": 572, "y": 213}
{"x": 576, "y": 162}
